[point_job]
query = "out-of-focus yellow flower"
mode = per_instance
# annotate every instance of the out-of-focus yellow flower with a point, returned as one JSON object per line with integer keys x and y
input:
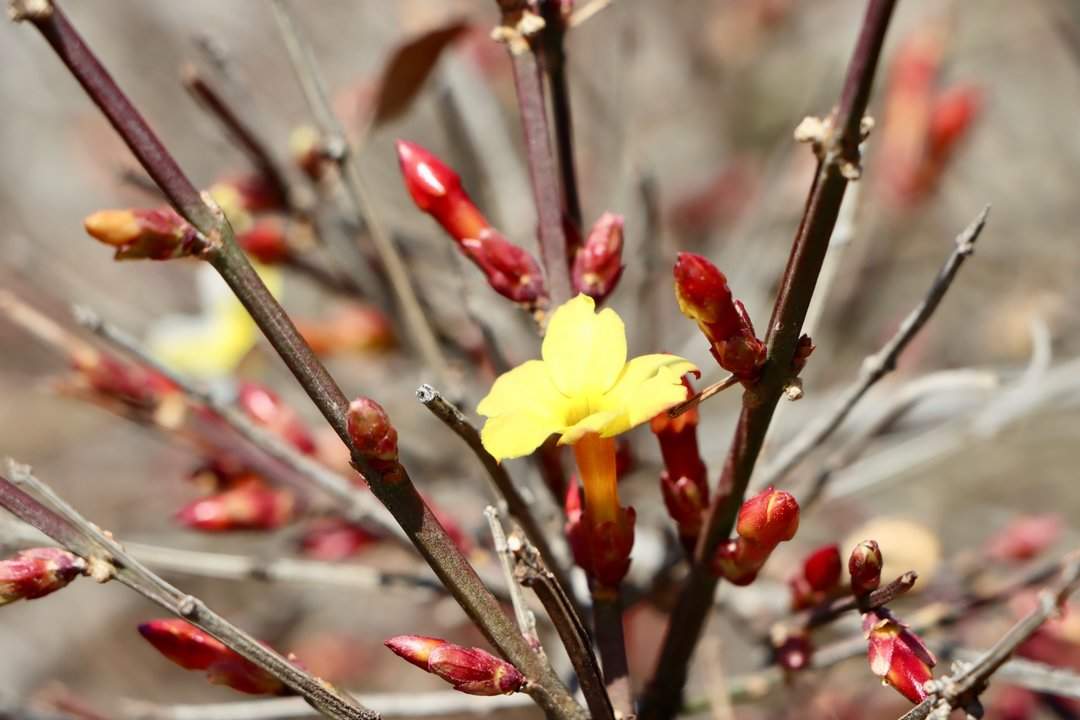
{"x": 583, "y": 385}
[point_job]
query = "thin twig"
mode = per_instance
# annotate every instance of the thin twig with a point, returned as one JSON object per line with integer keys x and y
{"x": 586, "y": 11}
{"x": 390, "y": 484}
{"x": 107, "y": 559}
{"x": 553, "y": 44}
{"x": 1031, "y": 675}
{"x": 307, "y": 72}
{"x": 838, "y": 160}
{"x": 525, "y": 618}
{"x": 879, "y": 364}
{"x": 531, "y": 571}
{"x": 697, "y": 398}
{"x": 543, "y": 175}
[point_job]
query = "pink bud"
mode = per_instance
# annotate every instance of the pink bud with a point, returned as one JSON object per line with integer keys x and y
{"x": 350, "y": 328}
{"x": 793, "y": 650}
{"x": 265, "y": 408}
{"x": 474, "y": 671}
{"x": 598, "y": 264}
{"x": 335, "y": 539}
{"x": 416, "y": 649}
{"x": 250, "y": 505}
{"x": 265, "y": 241}
{"x": 36, "y": 572}
{"x": 183, "y": 643}
{"x": 157, "y": 234}
{"x": 371, "y": 432}
{"x": 1025, "y": 537}
{"x": 769, "y": 518}
{"x": 823, "y": 567}
{"x": 864, "y": 565}
{"x": 739, "y": 561}
{"x": 686, "y": 502}
{"x": 897, "y": 655}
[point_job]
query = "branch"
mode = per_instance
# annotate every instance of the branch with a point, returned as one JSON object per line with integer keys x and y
{"x": 525, "y": 619}
{"x": 391, "y": 485}
{"x": 879, "y": 364}
{"x": 697, "y": 398}
{"x": 337, "y": 147}
{"x": 572, "y": 631}
{"x": 106, "y": 559}
{"x": 610, "y": 640}
{"x": 553, "y": 45}
{"x": 829, "y": 611}
{"x": 517, "y": 25}
{"x": 838, "y": 159}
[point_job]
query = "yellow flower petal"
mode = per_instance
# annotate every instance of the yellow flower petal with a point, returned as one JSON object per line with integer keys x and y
{"x": 649, "y": 384}
{"x": 516, "y": 434}
{"x": 584, "y": 351}
{"x": 599, "y": 423}
{"x": 526, "y": 388}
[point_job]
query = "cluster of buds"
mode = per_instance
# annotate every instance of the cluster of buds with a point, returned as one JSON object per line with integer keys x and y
{"x": 819, "y": 578}
{"x": 351, "y": 327}
{"x": 897, "y": 655}
{"x": 249, "y": 504}
{"x": 765, "y": 520}
{"x": 36, "y": 572}
{"x": 602, "y": 550}
{"x": 923, "y": 125}
{"x": 704, "y": 297}
{"x": 372, "y": 433}
{"x": 597, "y": 264}
{"x": 470, "y": 670}
{"x": 192, "y": 649}
{"x": 154, "y": 234}
{"x": 684, "y": 482}
{"x": 436, "y": 189}
{"x": 266, "y": 409}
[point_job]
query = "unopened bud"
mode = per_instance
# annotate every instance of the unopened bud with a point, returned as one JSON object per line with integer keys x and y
{"x": 265, "y": 241}
{"x": 305, "y": 148}
{"x": 371, "y": 432}
{"x": 822, "y": 568}
{"x": 335, "y": 539}
{"x": 769, "y": 518}
{"x": 469, "y": 670}
{"x": 598, "y": 264}
{"x": 602, "y": 551}
{"x": 686, "y": 501}
{"x": 158, "y": 234}
{"x": 264, "y": 407}
{"x": 679, "y": 445}
{"x": 36, "y": 572}
{"x": 250, "y": 505}
{"x": 739, "y": 561}
{"x": 864, "y": 565}
{"x": 350, "y": 328}
{"x": 415, "y": 649}
{"x": 897, "y": 655}
{"x": 792, "y": 648}
{"x": 1025, "y": 537}
{"x": 237, "y": 672}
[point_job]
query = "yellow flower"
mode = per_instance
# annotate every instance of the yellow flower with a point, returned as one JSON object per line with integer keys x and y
{"x": 583, "y": 385}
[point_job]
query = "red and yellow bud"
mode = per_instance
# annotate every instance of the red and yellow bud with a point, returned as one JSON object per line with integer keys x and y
{"x": 897, "y": 655}
{"x": 769, "y": 518}
{"x": 266, "y": 409}
{"x": 469, "y": 670}
{"x": 158, "y": 234}
{"x": 823, "y": 568}
{"x": 598, "y": 263}
{"x": 245, "y": 194}
{"x": 249, "y": 505}
{"x": 686, "y": 502}
{"x": 601, "y": 547}
{"x": 436, "y": 189}
{"x": 372, "y": 433}
{"x": 306, "y": 151}
{"x": 352, "y": 327}
{"x": 36, "y": 572}
{"x": 265, "y": 241}
{"x": 704, "y": 297}
{"x": 192, "y": 649}
{"x": 335, "y": 539}
{"x": 738, "y": 561}
{"x": 679, "y": 444}
{"x": 864, "y": 566}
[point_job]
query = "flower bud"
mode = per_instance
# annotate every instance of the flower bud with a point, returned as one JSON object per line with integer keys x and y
{"x": 953, "y": 113}
{"x": 335, "y": 539}
{"x": 250, "y": 505}
{"x": 158, "y": 234}
{"x": 864, "y": 565}
{"x": 415, "y": 649}
{"x": 305, "y": 148}
{"x": 251, "y": 193}
{"x": 36, "y": 572}
{"x": 266, "y": 409}
{"x": 352, "y": 327}
{"x": 679, "y": 445}
{"x": 703, "y": 296}
{"x": 686, "y": 502}
{"x": 739, "y": 561}
{"x": 822, "y": 568}
{"x": 769, "y": 518}
{"x": 598, "y": 264}
{"x": 511, "y": 271}
{"x": 792, "y": 648}
{"x": 265, "y": 241}
{"x": 469, "y": 670}
{"x": 602, "y": 551}
{"x": 371, "y": 432}
{"x": 235, "y": 671}
{"x": 897, "y": 655}
{"x": 1025, "y": 537}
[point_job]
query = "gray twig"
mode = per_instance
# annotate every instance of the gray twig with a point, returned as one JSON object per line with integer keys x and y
{"x": 525, "y": 618}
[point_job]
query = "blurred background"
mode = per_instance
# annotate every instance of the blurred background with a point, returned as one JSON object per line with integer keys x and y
{"x": 683, "y": 120}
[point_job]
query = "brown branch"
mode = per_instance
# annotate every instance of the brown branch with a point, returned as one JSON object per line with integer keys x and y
{"x": 829, "y": 611}
{"x": 879, "y": 364}
{"x": 553, "y": 46}
{"x": 338, "y": 148}
{"x": 838, "y": 159}
{"x": 391, "y": 485}
{"x": 697, "y": 398}
{"x": 518, "y": 23}
{"x": 611, "y": 642}
{"x": 107, "y": 559}
{"x": 532, "y": 572}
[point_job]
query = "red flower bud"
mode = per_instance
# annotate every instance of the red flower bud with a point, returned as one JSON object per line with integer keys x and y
{"x": 769, "y": 518}
{"x": 436, "y": 189}
{"x": 36, "y": 572}
{"x": 793, "y": 649}
{"x": 252, "y": 192}
{"x": 951, "y": 117}
{"x": 335, "y": 539}
{"x": 703, "y": 296}
{"x": 352, "y": 327}
{"x": 739, "y": 561}
{"x": 250, "y": 505}
{"x": 265, "y": 241}
{"x": 371, "y": 432}
{"x": 598, "y": 264}
{"x": 802, "y": 595}
{"x": 897, "y": 655}
{"x": 192, "y": 649}
{"x": 158, "y": 234}
{"x": 822, "y": 568}
{"x": 603, "y": 551}
{"x": 679, "y": 445}
{"x": 864, "y": 565}
{"x": 132, "y": 385}
{"x": 469, "y": 670}
{"x": 1025, "y": 537}
{"x": 305, "y": 148}
{"x": 264, "y": 407}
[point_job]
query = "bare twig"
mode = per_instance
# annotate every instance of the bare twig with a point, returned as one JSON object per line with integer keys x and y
{"x": 572, "y": 631}
{"x": 390, "y": 484}
{"x": 826, "y": 613}
{"x": 879, "y": 364}
{"x": 307, "y": 72}
{"x": 697, "y": 398}
{"x": 838, "y": 160}
{"x": 611, "y": 642}
{"x": 552, "y": 42}
{"x": 1062, "y": 682}
{"x": 106, "y": 559}
{"x": 525, "y": 618}
{"x": 586, "y": 11}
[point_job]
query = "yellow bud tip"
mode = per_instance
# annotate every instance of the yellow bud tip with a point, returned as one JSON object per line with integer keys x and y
{"x": 113, "y": 227}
